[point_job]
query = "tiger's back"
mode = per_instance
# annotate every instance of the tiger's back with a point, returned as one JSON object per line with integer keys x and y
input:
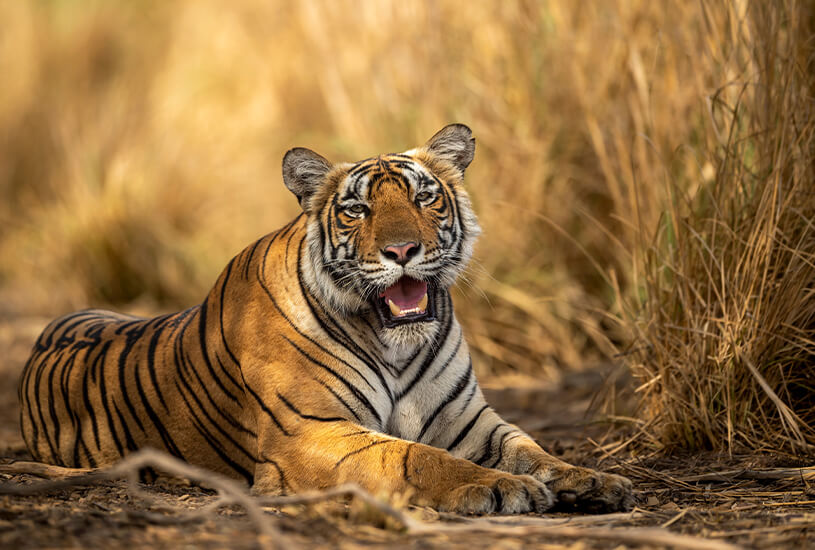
{"x": 100, "y": 384}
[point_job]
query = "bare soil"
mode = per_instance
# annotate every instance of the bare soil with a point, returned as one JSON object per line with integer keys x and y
{"x": 761, "y": 501}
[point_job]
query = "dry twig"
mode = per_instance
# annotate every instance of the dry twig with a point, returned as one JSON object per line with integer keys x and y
{"x": 230, "y": 492}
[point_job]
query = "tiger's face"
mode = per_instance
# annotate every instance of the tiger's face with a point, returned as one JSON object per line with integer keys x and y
{"x": 391, "y": 233}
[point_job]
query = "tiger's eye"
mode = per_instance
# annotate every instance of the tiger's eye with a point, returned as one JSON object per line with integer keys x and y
{"x": 424, "y": 196}
{"x": 357, "y": 209}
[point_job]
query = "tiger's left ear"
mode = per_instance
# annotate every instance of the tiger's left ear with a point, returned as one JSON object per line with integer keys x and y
{"x": 304, "y": 172}
{"x": 455, "y": 144}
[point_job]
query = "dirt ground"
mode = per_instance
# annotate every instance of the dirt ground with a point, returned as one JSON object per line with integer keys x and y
{"x": 684, "y": 501}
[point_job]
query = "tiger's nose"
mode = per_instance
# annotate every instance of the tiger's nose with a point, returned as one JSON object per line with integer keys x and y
{"x": 401, "y": 253}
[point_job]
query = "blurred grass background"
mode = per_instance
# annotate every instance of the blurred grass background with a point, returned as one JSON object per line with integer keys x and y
{"x": 642, "y": 169}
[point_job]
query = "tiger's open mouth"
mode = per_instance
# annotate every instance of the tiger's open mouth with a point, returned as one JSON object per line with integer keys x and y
{"x": 406, "y": 301}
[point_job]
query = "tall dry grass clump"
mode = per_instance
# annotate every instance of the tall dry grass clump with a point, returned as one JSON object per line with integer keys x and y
{"x": 727, "y": 356}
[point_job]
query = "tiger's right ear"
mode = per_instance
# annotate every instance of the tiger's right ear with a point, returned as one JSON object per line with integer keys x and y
{"x": 455, "y": 144}
{"x": 304, "y": 172}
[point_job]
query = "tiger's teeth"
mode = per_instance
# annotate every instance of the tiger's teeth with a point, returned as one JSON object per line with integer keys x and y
{"x": 395, "y": 310}
{"x": 423, "y": 303}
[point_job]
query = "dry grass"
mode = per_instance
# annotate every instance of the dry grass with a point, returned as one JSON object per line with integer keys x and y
{"x": 729, "y": 323}
{"x": 624, "y": 202}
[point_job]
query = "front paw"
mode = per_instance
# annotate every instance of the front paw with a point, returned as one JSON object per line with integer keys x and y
{"x": 499, "y": 493}
{"x": 588, "y": 490}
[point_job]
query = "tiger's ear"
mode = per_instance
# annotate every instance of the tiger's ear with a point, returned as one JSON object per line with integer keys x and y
{"x": 304, "y": 172}
{"x": 455, "y": 144}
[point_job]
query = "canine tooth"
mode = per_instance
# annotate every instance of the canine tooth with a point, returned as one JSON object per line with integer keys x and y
{"x": 422, "y": 303}
{"x": 394, "y": 308}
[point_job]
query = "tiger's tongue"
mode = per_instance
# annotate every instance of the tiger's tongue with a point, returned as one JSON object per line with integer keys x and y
{"x": 405, "y": 293}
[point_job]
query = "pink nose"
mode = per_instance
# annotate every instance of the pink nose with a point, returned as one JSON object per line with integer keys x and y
{"x": 401, "y": 253}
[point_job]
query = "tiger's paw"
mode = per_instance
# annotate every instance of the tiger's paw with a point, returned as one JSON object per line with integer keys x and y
{"x": 499, "y": 494}
{"x": 587, "y": 490}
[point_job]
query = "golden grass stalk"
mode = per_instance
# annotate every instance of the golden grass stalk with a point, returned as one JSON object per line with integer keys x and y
{"x": 729, "y": 279}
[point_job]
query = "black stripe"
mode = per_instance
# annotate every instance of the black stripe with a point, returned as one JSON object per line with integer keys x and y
{"x": 25, "y": 390}
{"x": 152, "y": 350}
{"x": 103, "y": 396}
{"x": 131, "y": 339}
{"x": 249, "y": 455}
{"x": 288, "y": 244}
{"x": 202, "y": 344}
{"x": 76, "y": 425}
{"x": 216, "y": 446}
{"x": 283, "y": 482}
{"x": 189, "y": 367}
{"x": 59, "y": 323}
{"x": 266, "y": 409}
{"x": 98, "y": 361}
{"x": 169, "y": 444}
{"x": 274, "y": 237}
{"x": 43, "y": 424}
{"x": 469, "y": 395}
{"x": 501, "y": 447}
{"x": 223, "y": 333}
{"x": 52, "y": 394}
{"x": 124, "y": 325}
{"x": 296, "y": 411}
{"x": 339, "y": 398}
{"x": 88, "y": 407}
{"x": 186, "y": 367}
{"x": 461, "y": 384}
{"x": 488, "y": 449}
{"x": 352, "y": 388}
{"x": 359, "y": 432}
{"x": 405, "y": 460}
{"x": 365, "y": 448}
{"x": 249, "y": 256}
{"x": 438, "y": 342}
{"x": 88, "y": 455}
{"x": 131, "y": 444}
{"x": 451, "y": 357}
{"x": 463, "y": 433}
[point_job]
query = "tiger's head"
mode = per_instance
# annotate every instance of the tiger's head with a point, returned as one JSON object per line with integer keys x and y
{"x": 390, "y": 233}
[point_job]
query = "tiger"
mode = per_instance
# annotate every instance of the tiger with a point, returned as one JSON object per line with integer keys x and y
{"x": 327, "y": 352}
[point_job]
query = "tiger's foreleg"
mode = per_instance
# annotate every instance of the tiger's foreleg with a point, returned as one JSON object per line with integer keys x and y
{"x": 500, "y": 445}
{"x": 325, "y": 454}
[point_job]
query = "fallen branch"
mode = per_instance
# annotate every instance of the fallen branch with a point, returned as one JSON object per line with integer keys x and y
{"x": 648, "y": 536}
{"x": 231, "y": 492}
{"x": 560, "y": 520}
{"x": 39, "y": 469}
{"x": 346, "y": 490}
{"x": 773, "y": 474}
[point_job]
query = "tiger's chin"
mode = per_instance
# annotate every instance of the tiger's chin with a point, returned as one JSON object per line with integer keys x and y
{"x": 407, "y": 337}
